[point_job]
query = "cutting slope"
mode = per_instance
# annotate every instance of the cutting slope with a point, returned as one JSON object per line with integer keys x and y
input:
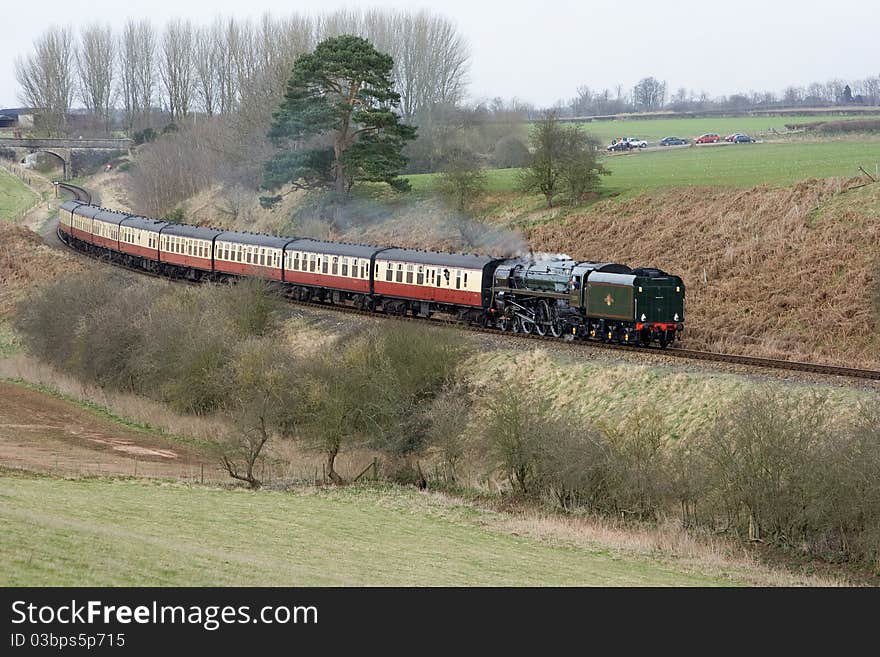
{"x": 779, "y": 272}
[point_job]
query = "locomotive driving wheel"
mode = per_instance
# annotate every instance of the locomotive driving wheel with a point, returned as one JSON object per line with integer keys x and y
{"x": 542, "y": 315}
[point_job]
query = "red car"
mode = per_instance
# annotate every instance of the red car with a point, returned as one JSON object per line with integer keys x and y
{"x": 709, "y": 138}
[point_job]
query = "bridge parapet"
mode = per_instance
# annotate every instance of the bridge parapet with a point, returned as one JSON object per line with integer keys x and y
{"x": 94, "y": 144}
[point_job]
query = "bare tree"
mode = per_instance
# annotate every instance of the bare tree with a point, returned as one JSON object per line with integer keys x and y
{"x": 176, "y": 63}
{"x": 260, "y": 403}
{"x": 649, "y": 94}
{"x": 463, "y": 179}
{"x": 207, "y": 67}
{"x": 137, "y": 72}
{"x": 46, "y": 77}
{"x": 96, "y": 66}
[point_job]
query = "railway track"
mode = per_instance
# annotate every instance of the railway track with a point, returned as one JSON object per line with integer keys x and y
{"x": 735, "y": 359}
{"x": 78, "y": 192}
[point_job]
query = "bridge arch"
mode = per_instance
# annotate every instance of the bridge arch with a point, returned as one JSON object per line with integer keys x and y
{"x": 65, "y": 164}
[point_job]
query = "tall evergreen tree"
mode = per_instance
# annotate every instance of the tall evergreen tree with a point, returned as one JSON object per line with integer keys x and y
{"x": 337, "y": 123}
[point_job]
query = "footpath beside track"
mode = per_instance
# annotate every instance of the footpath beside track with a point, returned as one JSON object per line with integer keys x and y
{"x": 749, "y": 361}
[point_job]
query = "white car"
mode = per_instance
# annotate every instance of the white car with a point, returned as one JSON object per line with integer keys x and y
{"x": 635, "y": 143}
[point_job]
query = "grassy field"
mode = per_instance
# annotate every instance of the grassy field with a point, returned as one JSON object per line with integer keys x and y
{"x": 15, "y": 198}
{"x": 743, "y": 165}
{"x": 653, "y": 130}
{"x": 100, "y": 532}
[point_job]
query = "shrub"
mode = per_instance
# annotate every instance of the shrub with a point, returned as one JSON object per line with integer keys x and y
{"x": 510, "y": 153}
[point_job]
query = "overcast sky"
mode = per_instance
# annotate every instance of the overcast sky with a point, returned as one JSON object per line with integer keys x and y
{"x": 541, "y": 51}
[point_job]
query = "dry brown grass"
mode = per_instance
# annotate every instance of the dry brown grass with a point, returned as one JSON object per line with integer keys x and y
{"x": 26, "y": 261}
{"x": 696, "y": 552}
{"x": 783, "y": 273}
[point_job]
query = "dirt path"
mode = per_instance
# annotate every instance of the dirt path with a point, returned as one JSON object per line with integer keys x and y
{"x": 43, "y": 433}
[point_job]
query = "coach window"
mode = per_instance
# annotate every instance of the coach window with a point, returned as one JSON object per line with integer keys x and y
{"x": 439, "y": 279}
{"x": 389, "y": 272}
{"x": 457, "y": 280}
{"x": 465, "y": 280}
{"x": 399, "y": 277}
{"x": 432, "y": 277}
{"x": 324, "y": 265}
{"x": 296, "y": 261}
{"x": 311, "y": 262}
{"x": 335, "y": 265}
{"x": 409, "y": 274}
{"x": 344, "y": 267}
{"x": 420, "y": 278}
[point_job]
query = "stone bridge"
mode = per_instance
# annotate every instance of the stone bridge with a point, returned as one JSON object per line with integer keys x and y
{"x": 62, "y": 148}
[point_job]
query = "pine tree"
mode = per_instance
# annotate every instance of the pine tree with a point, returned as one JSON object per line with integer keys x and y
{"x": 337, "y": 123}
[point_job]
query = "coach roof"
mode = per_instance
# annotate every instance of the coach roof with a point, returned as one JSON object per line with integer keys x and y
{"x": 193, "y": 232}
{"x": 254, "y": 239}
{"x": 88, "y": 211}
{"x": 71, "y": 205}
{"x": 110, "y": 216}
{"x": 333, "y": 248}
{"x": 460, "y": 260}
{"x": 145, "y": 223}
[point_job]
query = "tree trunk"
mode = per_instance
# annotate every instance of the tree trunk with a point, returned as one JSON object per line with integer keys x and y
{"x": 331, "y": 470}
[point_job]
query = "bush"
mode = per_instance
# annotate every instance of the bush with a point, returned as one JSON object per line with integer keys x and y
{"x": 510, "y": 153}
{"x": 169, "y": 343}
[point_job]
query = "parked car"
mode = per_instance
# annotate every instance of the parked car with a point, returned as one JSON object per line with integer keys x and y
{"x": 627, "y": 143}
{"x": 708, "y": 138}
{"x": 742, "y": 139}
{"x": 673, "y": 141}
{"x": 730, "y": 138}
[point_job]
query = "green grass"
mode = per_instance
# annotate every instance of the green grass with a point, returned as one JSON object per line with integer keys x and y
{"x": 101, "y": 532}
{"x": 653, "y": 130}
{"x": 15, "y": 197}
{"x": 742, "y": 165}
{"x": 9, "y": 345}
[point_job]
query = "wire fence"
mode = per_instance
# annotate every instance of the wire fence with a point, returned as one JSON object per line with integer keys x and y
{"x": 271, "y": 474}
{"x": 31, "y": 181}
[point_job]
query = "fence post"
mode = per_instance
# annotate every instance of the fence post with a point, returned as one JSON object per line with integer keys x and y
{"x": 202, "y": 477}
